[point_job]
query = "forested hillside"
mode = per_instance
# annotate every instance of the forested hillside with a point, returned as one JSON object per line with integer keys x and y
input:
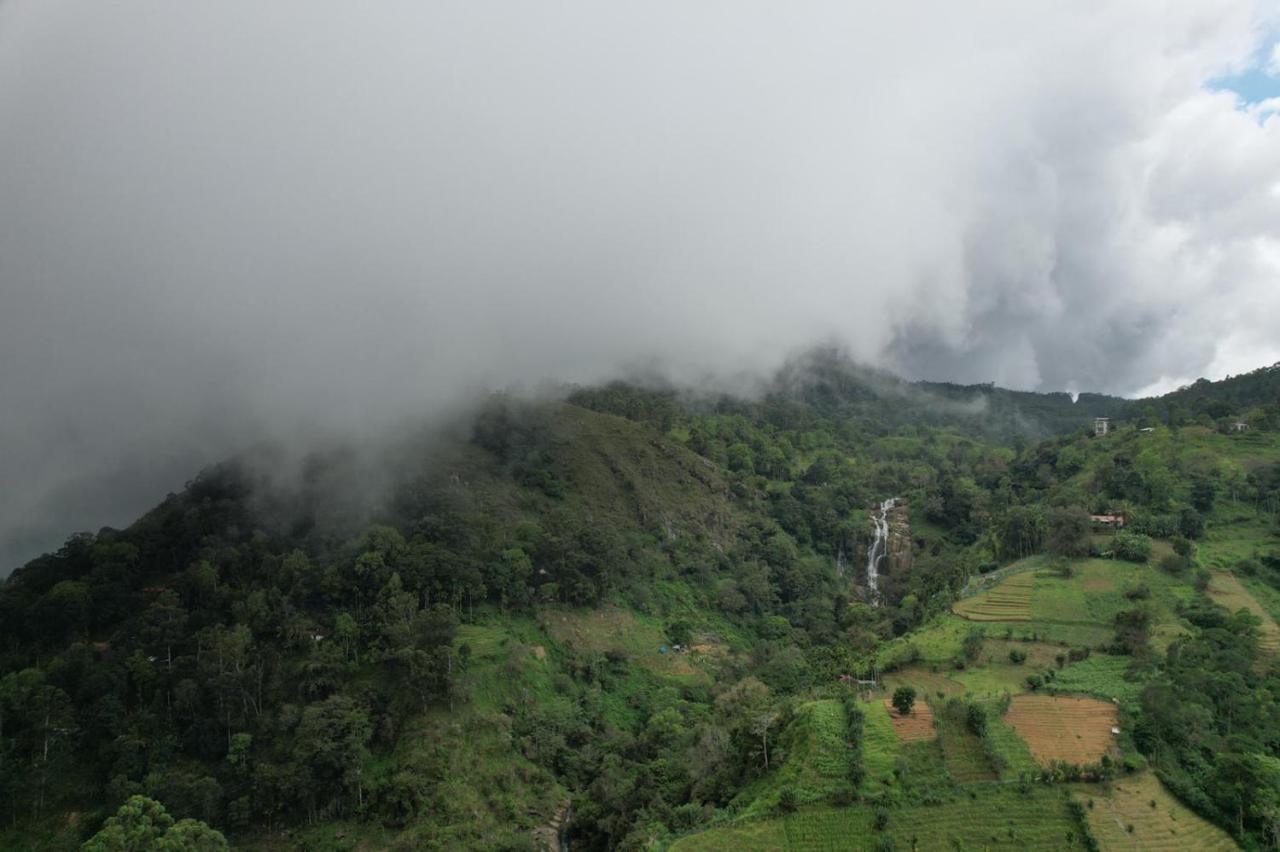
{"x": 638, "y": 614}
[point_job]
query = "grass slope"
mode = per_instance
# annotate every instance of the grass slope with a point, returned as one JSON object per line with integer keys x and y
{"x": 991, "y": 817}
{"x": 1138, "y": 813}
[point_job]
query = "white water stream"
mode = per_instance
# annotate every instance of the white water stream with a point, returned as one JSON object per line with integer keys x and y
{"x": 879, "y": 546}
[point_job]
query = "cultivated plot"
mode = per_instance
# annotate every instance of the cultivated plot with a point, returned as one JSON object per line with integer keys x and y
{"x": 1072, "y": 730}
{"x": 1140, "y": 813}
{"x": 1008, "y": 601}
{"x": 915, "y": 726}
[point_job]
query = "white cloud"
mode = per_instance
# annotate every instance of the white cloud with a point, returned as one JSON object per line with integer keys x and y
{"x": 239, "y": 216}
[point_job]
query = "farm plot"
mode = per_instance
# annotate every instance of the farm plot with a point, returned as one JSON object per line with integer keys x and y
{"x": 1140, "y": 813}
{"x": 880, "y": 746}
{"x": 1103, "y": 675}
{"x": 992, "y": 818}
{"x": 925, "y": 681}
{"x": 1226, "y": 590}
{"x": 1011, "y": 749}
{"x": 916, "y": 726}
{"x": 1072, "y": 730}
{"x": 1008, "y": 601}
{"x": 965, "y": 758}
{"x": 764, "y": 836}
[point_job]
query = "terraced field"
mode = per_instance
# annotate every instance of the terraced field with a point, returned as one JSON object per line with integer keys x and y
{"x": 914, "y": 727}
{"x": 1008, "y": 601}
{"x": 1158, "y": 820}
{"x": 1073, "y": 730}
{"x": 1227, "y": 590}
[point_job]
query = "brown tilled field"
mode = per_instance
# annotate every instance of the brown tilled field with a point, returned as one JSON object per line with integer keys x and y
{"x": 1073, "y": 730}
{"x": 916, "y": 727}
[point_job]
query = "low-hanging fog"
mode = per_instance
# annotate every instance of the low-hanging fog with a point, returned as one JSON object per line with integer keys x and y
{"x": 229, "y": 220}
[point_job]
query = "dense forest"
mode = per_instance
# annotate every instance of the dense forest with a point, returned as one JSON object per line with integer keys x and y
{"x": 624, "y": 616}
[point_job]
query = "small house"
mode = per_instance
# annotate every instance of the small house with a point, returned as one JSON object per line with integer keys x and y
{"x": 1239, "y": 426}
{"x": 1101, "y": 426}
{"x": 1115, "y": 522}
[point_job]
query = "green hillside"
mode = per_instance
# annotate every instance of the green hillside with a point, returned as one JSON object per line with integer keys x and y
{"x": 637, "y": 618}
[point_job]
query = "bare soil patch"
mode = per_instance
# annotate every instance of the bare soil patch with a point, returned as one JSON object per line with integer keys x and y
{"x": 915, "y": 727}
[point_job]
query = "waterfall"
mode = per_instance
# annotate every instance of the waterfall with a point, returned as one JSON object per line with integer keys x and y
{"x": 879, "y": 546}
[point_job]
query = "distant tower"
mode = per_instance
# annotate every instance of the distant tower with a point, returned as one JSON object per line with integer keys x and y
{"x": 1101, "y": 425}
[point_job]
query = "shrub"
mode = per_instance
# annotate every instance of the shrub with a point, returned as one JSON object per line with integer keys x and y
{"x": 1034, "y": 682}
{"x": 1017, "y": 656}
{"x": 904, "y": 698}
{"x": 1139, "y": 592}
{"x": 972, "y": 646}
{"x": 1132, "y": 547}
{"x": 975, "y": 719}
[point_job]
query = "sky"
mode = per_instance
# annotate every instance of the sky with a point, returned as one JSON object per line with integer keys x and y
{"x": 232, "y": 220}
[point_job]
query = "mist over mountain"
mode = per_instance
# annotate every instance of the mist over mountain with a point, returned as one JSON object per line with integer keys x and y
{"x": 229, "y": 224}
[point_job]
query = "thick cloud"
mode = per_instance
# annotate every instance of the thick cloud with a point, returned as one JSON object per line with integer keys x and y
{"x": 231, "y": 219}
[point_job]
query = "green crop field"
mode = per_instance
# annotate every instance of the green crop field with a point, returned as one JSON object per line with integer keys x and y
{"x": 880, "y": 746}
{"x": 966, "y": 761}
{"x": 1077, "y": 610}
{"x": 1012, "y": 749}
{"x": 1104, "y": 676}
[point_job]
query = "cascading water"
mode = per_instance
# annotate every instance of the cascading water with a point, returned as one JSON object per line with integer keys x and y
{"x": 879, "y": 546}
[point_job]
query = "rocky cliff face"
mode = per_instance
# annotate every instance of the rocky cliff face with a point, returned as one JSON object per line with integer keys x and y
{"x": 899, "y": 550}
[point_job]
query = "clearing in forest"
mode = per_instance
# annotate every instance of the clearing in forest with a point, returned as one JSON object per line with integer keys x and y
{"x": 1072, "y": 730}
{"x": 1140, "y": 813}
{"x": 1226, "y": 590}
{"x": 916, "y": 726}
{"x": 1008, "y": 601}
{"x": 611, "y": 629}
